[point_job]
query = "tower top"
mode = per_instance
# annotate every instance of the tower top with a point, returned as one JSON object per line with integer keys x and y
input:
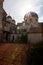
{"x": 1, "y": 1}
{"x": 30, "y": 14}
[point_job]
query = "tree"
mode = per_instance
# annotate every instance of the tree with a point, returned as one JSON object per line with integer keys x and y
{"x": 24, "y": 38}
{"x": 35, "y": 56}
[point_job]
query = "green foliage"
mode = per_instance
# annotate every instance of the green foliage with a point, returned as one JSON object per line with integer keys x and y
{"x": 24, "y": 38}
{"x": 18, "y": 40}
{"x": 40, "y": 44}
{"x": 35, "y": 55}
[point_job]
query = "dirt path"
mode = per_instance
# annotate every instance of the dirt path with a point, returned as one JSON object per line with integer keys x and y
{"x": 13, "y": 54}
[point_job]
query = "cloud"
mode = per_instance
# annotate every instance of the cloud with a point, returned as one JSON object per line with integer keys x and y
{"x": 41, "y": 19}
{"x": 18, "y": 8}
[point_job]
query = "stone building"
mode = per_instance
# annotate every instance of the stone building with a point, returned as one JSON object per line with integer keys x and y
{"x": 2, "y": 18}
{"x": 7, "y": 25}
{"x": 30, "y": 20}
{"x": 13, "y": 31}
{"x": 9, "y": 29}
{"x": 31, "y": 27}
{"x": 34, "y": 29}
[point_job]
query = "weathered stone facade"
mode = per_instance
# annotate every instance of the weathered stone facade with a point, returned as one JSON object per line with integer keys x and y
{"x": 32, "y": 28}
{"x": 34, "y": 37}
{"x": 9, "y": 31}
{"x": 2, "y": 17}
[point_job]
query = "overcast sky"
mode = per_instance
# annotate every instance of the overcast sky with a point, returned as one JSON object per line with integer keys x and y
{"x": 18, "y": 8}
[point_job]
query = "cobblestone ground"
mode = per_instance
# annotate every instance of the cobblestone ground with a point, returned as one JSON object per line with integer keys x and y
{"x": 13, "y": 54}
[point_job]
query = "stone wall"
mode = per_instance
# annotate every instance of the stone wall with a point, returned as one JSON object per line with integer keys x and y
{"x": 13, "y": 37}
{"x": 34, "y": 37}
{"x": 1, "y": 27}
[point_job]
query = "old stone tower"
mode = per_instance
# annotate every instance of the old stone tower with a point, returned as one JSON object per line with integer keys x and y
{"x": 2, "y": 18}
